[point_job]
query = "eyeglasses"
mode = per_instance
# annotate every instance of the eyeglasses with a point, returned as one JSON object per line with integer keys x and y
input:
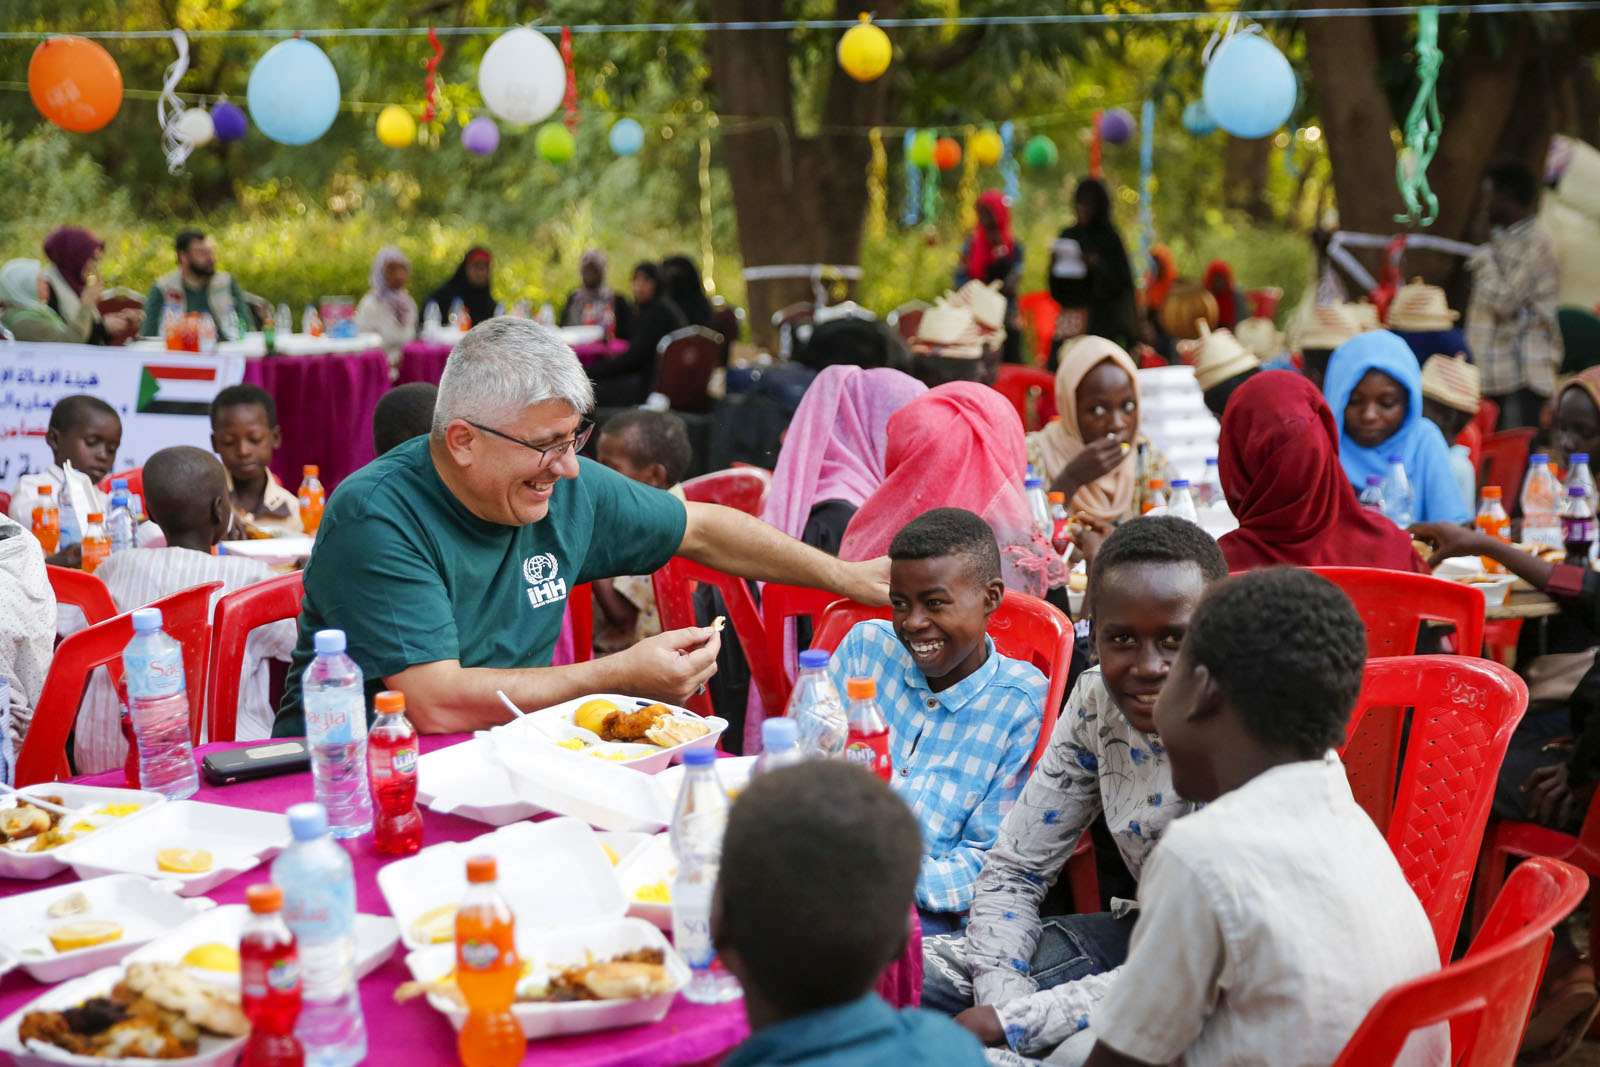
{"x": 549, "y": 454}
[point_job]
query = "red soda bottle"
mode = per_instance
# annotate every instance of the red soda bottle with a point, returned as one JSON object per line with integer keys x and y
{"x": 130, "y": 766}
{"x": 269, "y": 983}
{"x": 392, "y": 774}
{"x": 1060, "y": 524}
{"x": 868, "y": 743}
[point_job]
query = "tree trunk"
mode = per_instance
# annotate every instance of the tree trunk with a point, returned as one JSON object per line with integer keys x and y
{"x": 1246, "y": 165}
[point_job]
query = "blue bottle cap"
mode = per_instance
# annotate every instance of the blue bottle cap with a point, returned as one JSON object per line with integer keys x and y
{"x": 1180, "y": 483}
{"x": 146, "y": 620}
{"x": 1211, "y": 461}
{"x": 1374, "y": 479}
{"x": 1540, "y": 458}
{"x": 1397, "y": 459}
{"x": 813, "y": 658}
{"x": 1577, "y": 490}
{"x": 1033, "y": 483}
{"x": 308, "y": 821}
{"x": 122, "y": 483}
{"x": 328, "y": 642}
{"x": 1579, "y": 457}
{"x": 779, "y": 734}
{"x": 699, "y": 757}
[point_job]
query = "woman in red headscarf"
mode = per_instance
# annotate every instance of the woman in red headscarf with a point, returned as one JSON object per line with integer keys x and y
{"x": 1280, "y": 470}
{"x": 993, "y": 254}
{"x": 1231, "y": 305}
{"x": 72, "y": 272}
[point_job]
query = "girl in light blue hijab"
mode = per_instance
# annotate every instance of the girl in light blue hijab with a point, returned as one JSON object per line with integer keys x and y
{"x": 1374, "y": 386}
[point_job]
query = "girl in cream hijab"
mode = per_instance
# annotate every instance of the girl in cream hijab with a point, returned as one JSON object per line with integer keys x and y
{"x": 1090, "y": 452}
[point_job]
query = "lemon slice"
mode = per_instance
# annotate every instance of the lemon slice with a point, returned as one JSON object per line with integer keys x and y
{"x": 435, "y": 926}
{"x": 184, "y": 860}
{"x": 213, "y": 956}
{"x": 84, "y": 934}
{"x": 611, "y": 854}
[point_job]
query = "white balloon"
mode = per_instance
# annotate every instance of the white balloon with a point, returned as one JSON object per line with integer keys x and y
{"x": 522, "y": 78}
{"x": 195, "y": 127}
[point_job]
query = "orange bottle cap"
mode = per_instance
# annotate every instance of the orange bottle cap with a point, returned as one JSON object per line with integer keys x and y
{"x": 481, "y": 869}
{"x": 1491, "y": 492}
{"x": 264, "y": 898}
{"x": 861, "y": 688}
{"x": 1156, "y": 483}
{"x": 46, "y": 490}
{"x": 97, "y": 516}
{"x": 309, "y": 470}
{"x": 389, "y": 701}
{"x": 1057, "y": 498}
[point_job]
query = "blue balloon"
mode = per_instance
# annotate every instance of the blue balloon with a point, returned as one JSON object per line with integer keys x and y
{"x": 293, "y": 93}
{"x": 1197, "y": 120}
{"x": 627, "y": 137}
{"x": 1249, "y": 88}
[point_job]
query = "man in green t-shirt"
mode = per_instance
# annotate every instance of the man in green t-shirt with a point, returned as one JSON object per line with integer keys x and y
{"x": 448, "y": 561}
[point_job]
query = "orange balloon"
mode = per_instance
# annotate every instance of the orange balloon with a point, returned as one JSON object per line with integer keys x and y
{"x": 946, "y": 153}
{"x": 75, "y": 83}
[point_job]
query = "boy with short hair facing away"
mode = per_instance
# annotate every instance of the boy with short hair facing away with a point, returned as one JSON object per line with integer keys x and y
{"x": 1036, "y": 980}
{"x": 1274, "y": 917}
{"x": 187, "y": 495}
{"x": 404, "y": 412}
{"x": 86, "y": 432}
{"x": 245, "y": 434}
{"x": 819, "y": 863}
{"x": 962, "y": 718}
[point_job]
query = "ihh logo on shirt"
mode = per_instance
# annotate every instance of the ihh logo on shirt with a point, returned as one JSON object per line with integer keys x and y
{"x": 540, "y": 571}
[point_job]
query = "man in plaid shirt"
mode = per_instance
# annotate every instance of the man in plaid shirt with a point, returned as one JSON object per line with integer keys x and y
{"x": 962, "y": 718}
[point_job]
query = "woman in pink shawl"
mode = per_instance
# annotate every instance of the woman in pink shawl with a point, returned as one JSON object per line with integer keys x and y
{"x": 958, "y": 445}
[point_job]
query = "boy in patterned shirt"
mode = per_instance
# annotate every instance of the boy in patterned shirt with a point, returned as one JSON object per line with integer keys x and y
{"x": 963, "y": 719}
{"x": 1034, "y": 980}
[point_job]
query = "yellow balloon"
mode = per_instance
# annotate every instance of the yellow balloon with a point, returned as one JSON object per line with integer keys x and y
{"x": 396, "y": 127}
{"x": 865, "y": 51}
{"x": 985, "y": 147}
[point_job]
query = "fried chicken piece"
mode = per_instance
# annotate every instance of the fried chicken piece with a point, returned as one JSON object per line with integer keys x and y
{"x": 634, "y": 725}
{"x": 52, "y": 1028}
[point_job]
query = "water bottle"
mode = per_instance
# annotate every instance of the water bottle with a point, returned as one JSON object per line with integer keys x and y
{"x": 1181, "y": 503}
{"x": 283, "y": 320}
{"x": 311, "y": 322}
{"x": 319, "y": 904}
{"x": 522, "y": 309}
{"x": 1577, "y": 526}
{"x": 547, "y": 315}
{"x": 392, "y": 774}
{"x": 1493, "y": 522}
{"x": 868, "y": 743}
{"x": 1397, "y": 496}
{"x": 1541, "y": 496}
{"x": 779, "y": 746}
{"x": 816, "y": 708}
{"x": 1039, "y": 505}
{"x": 336, "y": 733}
{"x": 1578, "y": 473}
{"x": 269, "y": 982}
{"x": 122, "y": 527}
{"x": 158, "y": 705}
{"x": 431, "y": 319}
{"x": 71, "y": 531}
{"x": 207, "y": 334}
{"x": 698, "y": 820}
{"x": 459, "y": 319}
{"x": 1372, "y": 496}
{"x": 1210, "y": 487}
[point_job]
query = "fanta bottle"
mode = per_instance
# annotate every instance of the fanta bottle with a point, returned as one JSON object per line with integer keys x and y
{"x": 269, "y": 982}
{"x": 487, "y": 969}
{"x": 392, "y": 774}
{"x": 868, "y": 743}
{"x": 312, "y": 499}
{"x": 96, "y": 545}
{"x": 47, "y": 520}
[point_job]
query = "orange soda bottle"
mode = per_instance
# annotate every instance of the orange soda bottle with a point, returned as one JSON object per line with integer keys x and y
{"x": 487, "y": 969}
{"x": 96, "y": 545}
{"x": 312, "y": 499}
{"x": 1493, "y": 521}
{"x": 47, "y": 520}
{"x": 1154, "y": 496}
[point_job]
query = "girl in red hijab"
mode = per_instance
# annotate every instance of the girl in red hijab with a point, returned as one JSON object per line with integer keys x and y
{"x": 1280, "y": 470}
{"x": 991, "y": 253}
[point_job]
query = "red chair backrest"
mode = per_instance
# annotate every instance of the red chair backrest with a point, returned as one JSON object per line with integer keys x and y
{"x": 5, "y": 503}
{"x": 1428, "y": 788}
{"x": 727, "y": 321}
{"x": 1488, "y": 416}
{"x": 684, "y": 362}
{"x": 1487, "y": 995}
{"x": 1505, "y": 461}
{"x": 580, "y": 605}
{"x": 744, "y": 488}
{"x": 779, "y": 604}
{"x": 83, "y": 591}
{"x": 1393, "y": 605}
{"x": 186, "y": 617}
{"x": 134, "y": 475}
{"x": 1019, "y": 384}
{"x": 674, "y": 588}
{"x": 1023, "y": 627}
{"x": 236, "y": 614}
{"x": 1040, "y": 313}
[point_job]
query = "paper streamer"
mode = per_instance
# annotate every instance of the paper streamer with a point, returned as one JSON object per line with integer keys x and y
{"x": 430, "y": 88}
{"x": 930, "y": 195}
{"x": 1423, "y": 126}
{"x": 877, "y": 192}
{"x": 1147, "y": 144}
{"x": 708, "y": 258}
{"x": 913, "y": 209}
{"x": 169, "y": 109}
{"x": 967, "y": 191}
{"x": 1094, "y": 145}
{"x": 570, "y": 101}
{"x": 1009, "y": 170}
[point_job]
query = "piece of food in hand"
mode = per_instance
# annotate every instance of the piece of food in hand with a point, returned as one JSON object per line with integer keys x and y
{"x": 73, "y": 904}
{"x": 435, "y": 926}
{"x": 635, "y": 725}
{"x": 84, "y": 934}
{"x": 597, "y": 716}
{"x": 673, "y": 730}
{"x": 1078, "y": 581}
{"x": 184, "y": 860}
{"x": 719, "y": 622}
{"x": 1423, "y": 548}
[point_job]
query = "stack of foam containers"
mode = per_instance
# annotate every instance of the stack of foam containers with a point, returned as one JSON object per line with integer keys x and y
{"x": 1173, "y": 415}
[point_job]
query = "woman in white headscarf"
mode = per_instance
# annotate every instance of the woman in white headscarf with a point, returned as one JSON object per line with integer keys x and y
{"x": 387, "y": 309}
{"x": 24, "y": 311}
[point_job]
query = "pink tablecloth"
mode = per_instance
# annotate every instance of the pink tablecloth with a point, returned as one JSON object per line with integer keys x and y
{"x": 325, "y": 408}
{"x": 423, "y": 361}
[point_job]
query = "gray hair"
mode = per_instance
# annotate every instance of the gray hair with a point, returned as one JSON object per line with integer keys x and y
{"x": 504, "y": 365}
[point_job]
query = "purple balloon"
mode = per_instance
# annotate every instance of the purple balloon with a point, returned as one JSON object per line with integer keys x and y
{"x": 481, "y": 136}
{"x": 1116, "y": 126}
{"x": 229, "y": 121}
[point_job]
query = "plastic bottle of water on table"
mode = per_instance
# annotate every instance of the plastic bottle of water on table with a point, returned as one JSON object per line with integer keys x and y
{"x": 1371, "y": 497}
{"x": 122, "y": 526}
{"x": 283, "y": 321}
{"x": 1541, "y": 502}
{"x": 779, "y": 746}
{"x": 1039, "y": 504}
{"x": 336, "y": 733}
{"x": 699, "y": 819}
{"x": 158, "y": 704}
{"x": 1210, "y": 487}
{"x": 1181, "y": 503}
{"x": 269, "y": 982}
{"x": 817, "y": 709}
{"x": 431, "y": 319}
{"x": 487, "y": 969}
{"x": 1397, "y": 495}
{"x": 319, "y": 904}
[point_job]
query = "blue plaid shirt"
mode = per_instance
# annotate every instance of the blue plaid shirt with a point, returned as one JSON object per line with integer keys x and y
{"x": 960, "y": 756}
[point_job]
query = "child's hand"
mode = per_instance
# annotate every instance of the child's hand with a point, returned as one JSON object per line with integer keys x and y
{"x": 1450, "y": 540}
{"x": 984, "y": 1024}
{"x": 1088, "y": 534}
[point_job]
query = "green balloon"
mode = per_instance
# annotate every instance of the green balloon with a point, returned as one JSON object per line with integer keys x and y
{"x": 1040, "y": 152}
{"x": 922, "y": 148}
{"x": 555, "y": 142}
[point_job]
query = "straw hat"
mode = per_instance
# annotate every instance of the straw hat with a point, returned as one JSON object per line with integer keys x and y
{"x": 1452, "y": 381}
{"x": 1329, "y": 326}
{"x": 986, "y": 302}
{"x": 1261, "y": 337}
{"x": 1219, "y": 357}
{"x": 950, "y": 331}
{"x": 1366, "y": 315}
{"x": 1421, "y": 308}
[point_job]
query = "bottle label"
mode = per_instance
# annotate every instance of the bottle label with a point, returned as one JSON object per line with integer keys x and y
{"x": 479, "y": 955}
{"x": 153, "y": 672}
{"x": 691, "y": 935}
{"x": 322, "y": 910}
{"x": 405, "y": 761}
{"x": 870, "y": 751}
{"x": 401, "y": 763}
{"x": 1577, "y": 530}
{"x": 335, "y": 718}
{"x": 263, "y": 976}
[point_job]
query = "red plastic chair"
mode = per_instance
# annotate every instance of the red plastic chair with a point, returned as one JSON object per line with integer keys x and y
{"x": 1394, "y": 604}
{"x": 134, "y": 475}
{"x": 236, "y": 614}
{"x": 684, "y": 361}
{"x": 905, "y": 319}
{"x": 1428, "y": 788}
{"x": 779, "y": 604}
{"x": 1039, "y": 313}
{"x": 5, "y": 503}
{"x": 1487, "y": 418}
{"x": 580, "y": 606}
{"x": 744, "y": 488}
{"x": 1505, "y": 460}
{"x": 1486, "y": 996}
{"x": 1019, "y": 385}
{"x": 674, "y": 588}
{"x": 186, "y": 617}
{"x": 83, "y": 591}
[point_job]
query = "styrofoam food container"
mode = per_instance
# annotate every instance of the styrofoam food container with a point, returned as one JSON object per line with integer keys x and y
{"x": 146, "y": 910}
{"x": 650, "y": 863}
{"x": 237, "y": 838}
{"x": 464, "y": 780}
{"x": 607, "y": 796}
{"x": 549, "y": 872}
{"x": 558, "y": 719}
{"x": 622, "y": 844}
{"x": 34, "y": 865}
{"x": 376, "y": 936}
{"x": 1495, "y": 589}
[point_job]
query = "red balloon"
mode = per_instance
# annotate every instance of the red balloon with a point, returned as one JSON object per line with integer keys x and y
{"x": 946, "y": 153}
{"x": 75, "y": 83}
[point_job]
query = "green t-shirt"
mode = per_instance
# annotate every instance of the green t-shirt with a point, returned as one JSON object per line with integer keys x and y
{"x": 411, "y": 576}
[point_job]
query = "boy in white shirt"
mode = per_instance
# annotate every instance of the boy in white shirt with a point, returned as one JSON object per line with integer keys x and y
{"x": 1274, "y": 917}
{"x": 85, "y": 431}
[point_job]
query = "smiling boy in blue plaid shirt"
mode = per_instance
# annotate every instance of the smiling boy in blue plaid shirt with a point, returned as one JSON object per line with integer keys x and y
{"x": 963, "y": 719}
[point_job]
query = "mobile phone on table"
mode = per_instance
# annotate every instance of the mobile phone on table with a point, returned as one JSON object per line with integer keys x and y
{"x": 256, "y": 761}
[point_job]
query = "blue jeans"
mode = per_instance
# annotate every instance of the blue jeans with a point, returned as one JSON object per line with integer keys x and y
{"x": 1070, "y": 947}
{"x": 940, "y": 922}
